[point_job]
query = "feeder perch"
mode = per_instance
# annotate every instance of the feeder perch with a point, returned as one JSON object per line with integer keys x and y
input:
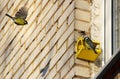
{"x": 85, "y": 53}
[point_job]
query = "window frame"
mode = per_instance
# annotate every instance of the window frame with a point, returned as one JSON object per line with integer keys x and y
{"x": 108, "y": 30}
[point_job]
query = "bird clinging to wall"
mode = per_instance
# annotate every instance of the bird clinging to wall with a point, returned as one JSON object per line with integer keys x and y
{"x": 20, "y": 16}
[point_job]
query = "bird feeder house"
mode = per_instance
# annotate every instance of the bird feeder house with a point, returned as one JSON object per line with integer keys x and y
{"x": 86, "y": 53}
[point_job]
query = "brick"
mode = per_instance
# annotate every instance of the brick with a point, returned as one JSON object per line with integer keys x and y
{"x": 66, "y": 14}
{"x": 3, "y": 18}
{"x": 58, "y": 14}
{"x": 53, "y": 1}
{"x": 79, "y": 77}
{"x": 52, "y": 73}
{"x": 71, "y": 18}
{"x": 35, "y": 74}
{"x": 40, "y": 35}
{"x": 17, "y": 74}
{"x": 10, "y": 46}
{"x": 66, "y": 3}
{"x": 65, "y": 57}
{"x": 57, "y": 76}
{"x": 32, "y": 55}
{"x": 9, "y": 75}
{"x": 24, "y": 56}
{"x": 72, "y": 61}
{"x": 12, "y": 54}
{"x": 28, "y": 33}
{"x": 4, "y": 22}
{"x": 82, "y": 15}
{"x": 82, "y": 4}
{"x": 42, "y": 54}
{"x": 1, "y": 1}
{"x": 58, "y": 55}
{"x": 16, "y": 3}
{"x": 44, "y": 62}
{"x": 30, "y": 49}
{"x": 37, "y": 2}
{"x": 36, "y": 33}
{"x": 40, "y": 77}
{"x": 35, "y": 13}
{"x": 65, "y": 35}
{"x": 49, "y": 25}
{"x": 1, "y": 35}
{"x": 7, "y": 61}
{"x": 50, "y": 13}
{"x": 82, "y": 71}
{"x": 77, "y": 35}
{"x": 80, "y": 25}
{"x": 32, "y": 46}
{"x": 60, "y": 1}
{"x": 15, "y": 68}
{"x": 28, "y": 61}
{"x": 3, "y": 74}
{"x": 16, "y": 58}
{"x": 71, "y": 39}
{"x": 70, "y": 74}
{"x": 31, "y": 11}
{"x": 2, "y": 42}
{"x": 26, "y": 74}
{"x": 3, "y": 4}
{"x": 37, "y": 60}
{"x": 6, "y": 29}
{"x": 49, "y": 35}
{"x": 29, "y": 3}
{"x": 76, "y": 78}
{"x": 82, "y": 62}
{"x": 10, "y": 3}
{"x": 44, "y": 11}
{"x": 14, "y": 43}
{"x": 44, "y": 3}
{"x": 58, "y": 34}
{"x": 65, "y": 69}
{"x": 53, "y": 51}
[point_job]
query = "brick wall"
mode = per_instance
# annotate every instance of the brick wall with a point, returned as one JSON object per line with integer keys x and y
{"x": 82, "y": 23}
{"x": 88, "y": 18}
{"x": 24, "y": 50}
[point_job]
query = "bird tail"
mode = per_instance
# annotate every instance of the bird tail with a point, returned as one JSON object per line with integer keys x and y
{"x": 9, "y": 16}
{"x": 95, "y": 51}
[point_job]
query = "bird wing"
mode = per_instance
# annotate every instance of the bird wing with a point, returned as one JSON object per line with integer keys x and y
{"x": 22, "y": 13}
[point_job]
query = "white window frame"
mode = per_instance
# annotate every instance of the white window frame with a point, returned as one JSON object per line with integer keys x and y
{"x": 107, "y": 29}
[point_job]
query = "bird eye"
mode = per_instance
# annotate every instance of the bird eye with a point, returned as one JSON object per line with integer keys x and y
{"x": 26, "y": 22}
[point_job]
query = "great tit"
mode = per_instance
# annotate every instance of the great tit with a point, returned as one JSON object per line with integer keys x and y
{"x": 20, "y": 16}
{"x": 90, "y": 43}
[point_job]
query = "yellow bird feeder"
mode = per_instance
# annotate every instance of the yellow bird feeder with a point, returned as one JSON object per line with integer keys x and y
{"x": 85, "y": 53}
